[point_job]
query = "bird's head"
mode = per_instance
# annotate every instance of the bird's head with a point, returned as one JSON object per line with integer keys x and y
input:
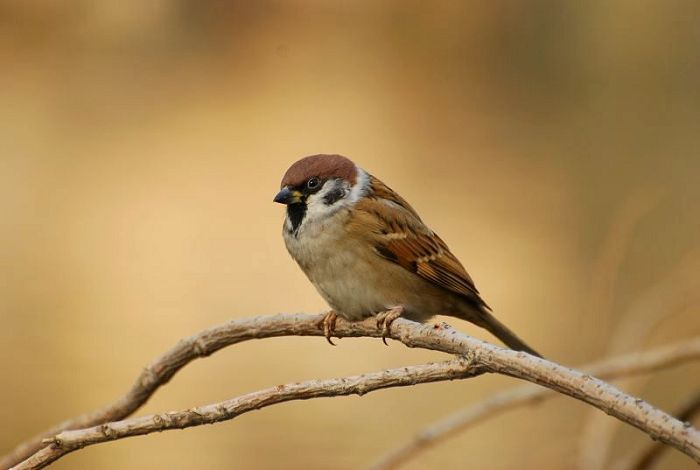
{"x": 316, "y": 187}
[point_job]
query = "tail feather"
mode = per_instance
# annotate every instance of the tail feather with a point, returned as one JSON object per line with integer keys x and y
{"x": 488, "y": 321}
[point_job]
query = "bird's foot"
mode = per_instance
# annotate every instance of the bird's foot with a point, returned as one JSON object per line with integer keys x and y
{"x": 327, "y": 324}
{"x": 385, "y": 319}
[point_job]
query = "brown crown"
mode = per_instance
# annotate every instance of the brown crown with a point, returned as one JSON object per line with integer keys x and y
{"x": 321, "y": 166}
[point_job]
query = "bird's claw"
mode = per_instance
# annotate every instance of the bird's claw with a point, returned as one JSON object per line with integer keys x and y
{"x": 327, "y": 324}
{"x": 385, "y": 319}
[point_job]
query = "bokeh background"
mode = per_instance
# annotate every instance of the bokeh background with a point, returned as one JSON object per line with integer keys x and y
{"x": 554, "y": 145}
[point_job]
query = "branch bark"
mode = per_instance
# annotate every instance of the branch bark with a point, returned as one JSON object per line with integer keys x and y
{"x": 69, "y": 441}
{"x": 488, "y": 357}
{"x": 669, "y": 296}
{"x": 646, "y": 457}
{"x": 621, "y": 366}
{"x": 162, "y": 369}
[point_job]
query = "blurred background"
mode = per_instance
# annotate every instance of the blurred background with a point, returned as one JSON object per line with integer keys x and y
{"x": 554, "y": 145}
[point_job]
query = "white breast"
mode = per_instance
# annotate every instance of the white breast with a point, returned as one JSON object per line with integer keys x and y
{"x": 332, "y": 263}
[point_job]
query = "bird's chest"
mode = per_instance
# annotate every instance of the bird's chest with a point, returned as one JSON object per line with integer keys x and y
{"x": 322, "y": 249}
{"x": 334, "y": 263}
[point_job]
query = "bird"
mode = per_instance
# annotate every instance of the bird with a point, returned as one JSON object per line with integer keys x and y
{"x": 369, "y": 253}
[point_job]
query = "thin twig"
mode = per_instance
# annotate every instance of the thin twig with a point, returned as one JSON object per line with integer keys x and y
{"x": 163, "y": 368}
{"x": 649, "y": 455}
{"x": 597, "y": 433}
{"x": 622, "y": 366}
{"x": 673, "y": 293}
{"x": 491, "y": 358}
{"x": 69, "y": 441}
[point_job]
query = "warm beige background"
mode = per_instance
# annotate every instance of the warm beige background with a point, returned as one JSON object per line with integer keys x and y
{"x": 554, "y": 145}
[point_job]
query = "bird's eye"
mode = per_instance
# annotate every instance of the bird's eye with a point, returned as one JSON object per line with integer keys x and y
{"x": 313, "y": 183}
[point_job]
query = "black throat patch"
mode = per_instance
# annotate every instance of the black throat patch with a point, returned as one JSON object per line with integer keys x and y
{"x": 296, "y": 213}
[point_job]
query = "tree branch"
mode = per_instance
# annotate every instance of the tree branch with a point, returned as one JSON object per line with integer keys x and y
{"x": 649, "y": 454}
{"x": 669, "y": 296}
{"x": 163, "y": 368}
{"x": 488, "y": 357}
{"x": 621, "y": 366}
{"x": 68, "y": 441}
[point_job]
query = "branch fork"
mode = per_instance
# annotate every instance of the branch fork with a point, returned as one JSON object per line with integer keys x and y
{"x": 473, "y": 357}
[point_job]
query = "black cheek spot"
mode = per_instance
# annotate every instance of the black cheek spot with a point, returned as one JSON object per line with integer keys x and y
{"x": 333, "y": 196}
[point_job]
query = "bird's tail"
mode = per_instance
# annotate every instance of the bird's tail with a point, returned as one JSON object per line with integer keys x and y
{"x": 485, "y": 319}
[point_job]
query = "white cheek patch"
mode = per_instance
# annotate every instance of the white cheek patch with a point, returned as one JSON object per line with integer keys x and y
{"x": 318, "y": 207}
{"x": 360, "y": 187}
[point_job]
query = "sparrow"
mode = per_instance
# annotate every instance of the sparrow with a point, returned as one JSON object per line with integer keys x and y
{"x": 368, "y": 253}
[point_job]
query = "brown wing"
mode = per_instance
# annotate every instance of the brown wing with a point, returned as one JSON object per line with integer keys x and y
{"x": 399, "y": 235}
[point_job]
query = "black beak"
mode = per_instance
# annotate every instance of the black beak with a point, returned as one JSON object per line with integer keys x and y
{"x": 288, "y": 196}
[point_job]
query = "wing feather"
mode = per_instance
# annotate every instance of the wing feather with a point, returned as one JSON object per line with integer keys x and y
{"x": 398, "y": 235}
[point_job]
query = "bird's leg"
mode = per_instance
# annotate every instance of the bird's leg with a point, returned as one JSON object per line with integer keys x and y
{"x": 385, "y": 319}
{"x": 327, "y": 324}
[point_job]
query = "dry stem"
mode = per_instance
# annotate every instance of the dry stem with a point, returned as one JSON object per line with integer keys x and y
{"x": 68, "y": 441}
{"x": 621, "y": 366}
{"x": 484, "y": 356}
{"x": 647, "y": 456}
